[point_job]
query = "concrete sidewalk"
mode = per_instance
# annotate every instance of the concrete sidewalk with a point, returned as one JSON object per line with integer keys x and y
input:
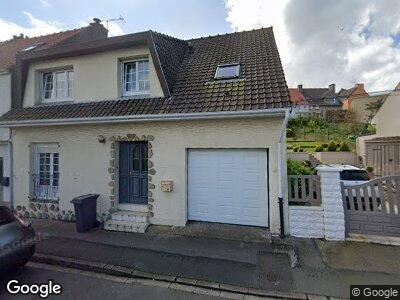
{"x": 322, "y": 270}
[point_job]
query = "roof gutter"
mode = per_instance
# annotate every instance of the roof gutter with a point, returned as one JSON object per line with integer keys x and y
{"x": 277, "y": 112}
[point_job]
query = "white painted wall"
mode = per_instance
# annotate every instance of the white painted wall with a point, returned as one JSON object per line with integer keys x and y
{"x": 306, "y": 221}
{"x": 333, "y": 158}
{"x": 332, "y": 203}
{"x": 325, "y": 221}
{"x": 84, "y": 161}
{"x": 387, "y": 118}
{"x": 96, "y": 76}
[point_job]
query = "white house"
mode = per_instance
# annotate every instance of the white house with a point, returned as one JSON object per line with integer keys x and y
{"x": 164, "y": 130}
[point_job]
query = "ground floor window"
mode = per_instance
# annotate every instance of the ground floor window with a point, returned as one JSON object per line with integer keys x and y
{"x": 46, "y": 172}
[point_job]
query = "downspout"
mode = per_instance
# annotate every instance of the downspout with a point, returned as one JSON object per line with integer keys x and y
{"x": 11, "y": 173}
{"x": 281, "y": 174}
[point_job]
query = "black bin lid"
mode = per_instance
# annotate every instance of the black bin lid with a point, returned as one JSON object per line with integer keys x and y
{"x": 82, "y": 198}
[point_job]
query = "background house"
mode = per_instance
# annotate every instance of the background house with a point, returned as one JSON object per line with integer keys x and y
{"x": 314, "y": 101}
{"x": 9, "y": 50}
{"x": 361, "y": 106}
{"x": 346, "y": 96}
{"x": 382, "y": 150}
{"x": 300, "y": 105}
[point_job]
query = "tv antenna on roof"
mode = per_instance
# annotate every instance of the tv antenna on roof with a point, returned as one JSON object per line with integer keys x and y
{"x": 120, "y": 19}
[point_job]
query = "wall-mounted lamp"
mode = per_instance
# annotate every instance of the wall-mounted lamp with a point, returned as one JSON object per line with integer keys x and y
{"x": 101, "y": 139}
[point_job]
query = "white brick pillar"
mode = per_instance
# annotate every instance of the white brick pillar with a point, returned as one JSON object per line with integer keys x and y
{"x": 332, "y": 203}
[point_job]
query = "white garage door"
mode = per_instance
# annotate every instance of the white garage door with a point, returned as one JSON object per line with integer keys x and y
{"x": 228, "y": 186}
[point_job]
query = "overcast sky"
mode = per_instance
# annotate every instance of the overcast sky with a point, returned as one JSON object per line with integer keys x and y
{"x": 320, "y": 41}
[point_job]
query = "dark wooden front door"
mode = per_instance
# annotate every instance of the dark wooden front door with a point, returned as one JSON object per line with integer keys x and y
{"x": 133, "y": 172}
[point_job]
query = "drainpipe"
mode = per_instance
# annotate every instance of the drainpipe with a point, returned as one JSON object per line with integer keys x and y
{"x": 11, "y": 172}
{"x": 281, "y": 174}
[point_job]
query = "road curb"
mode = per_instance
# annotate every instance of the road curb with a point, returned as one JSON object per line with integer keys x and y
{"x": 173, "y": 281}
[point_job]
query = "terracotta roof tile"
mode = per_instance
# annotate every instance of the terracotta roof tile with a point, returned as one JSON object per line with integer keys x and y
{"x": 296, "y": 96}
{"x": 10, "y": 48}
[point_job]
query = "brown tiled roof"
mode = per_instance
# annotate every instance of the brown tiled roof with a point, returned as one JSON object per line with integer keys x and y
{"x": 171, "y": 52}
{"x": 262, "y": 83}
{"x": 10, "y": 48}
{"x": 189, "y": 68}
{"x": 314, "y": 93}
{"x": 296, "y": 96}
{"x": 88, "y": 109}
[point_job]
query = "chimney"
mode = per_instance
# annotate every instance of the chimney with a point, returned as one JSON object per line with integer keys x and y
{"x": 332, "y": 88}
{"x": 17, "y": 37}
{"x": 360, "y": 85}
{"x": 300, "y": 88}
{"x": 95, "y": 21}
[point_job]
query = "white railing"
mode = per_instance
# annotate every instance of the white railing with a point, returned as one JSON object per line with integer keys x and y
{"x": 45, "y": 188}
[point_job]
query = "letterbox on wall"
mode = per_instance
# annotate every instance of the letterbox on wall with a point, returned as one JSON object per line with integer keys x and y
{"x": 167, "y": 185}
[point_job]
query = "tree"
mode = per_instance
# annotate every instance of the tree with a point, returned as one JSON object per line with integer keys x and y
{"x": 372, "y": 108}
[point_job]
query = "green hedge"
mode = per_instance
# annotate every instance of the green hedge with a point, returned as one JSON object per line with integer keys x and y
{"x": 297, "y": 168}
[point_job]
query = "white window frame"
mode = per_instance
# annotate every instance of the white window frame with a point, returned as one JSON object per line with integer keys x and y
{"x": 124, "y": 92}
{"x": 46, "y": 192}
{"x": 69, "y": 86}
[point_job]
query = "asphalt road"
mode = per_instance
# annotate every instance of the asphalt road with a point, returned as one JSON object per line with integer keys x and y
{"x": 85, "y": 285}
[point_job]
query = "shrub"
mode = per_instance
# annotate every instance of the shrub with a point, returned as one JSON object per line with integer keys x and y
{"x": 289, "y": 147}
{"x": 332, "y": 146}
{"x": 307, "y": 163}
{"x": 296, "y": 148}
{"x": 301, "y": 150}
{"x": 324, "y": 145}
{"x": 337, "y": 145}
{"x": 344, "y": 147}
{"x": 319, "y": 148}
{"x": 297, "y": 168}
{"x": 369, "y": 169}
{"x": 289, "y": 133}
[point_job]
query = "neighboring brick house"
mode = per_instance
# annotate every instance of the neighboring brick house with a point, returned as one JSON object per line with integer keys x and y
{"x": 299, "y": 103}
{"x": 315, "y": 100}
{"x": 164, "y": 130}
{"x": 356, "y": 100}
{"x": 347, "y": 96}
{"x": 9, "y": 50}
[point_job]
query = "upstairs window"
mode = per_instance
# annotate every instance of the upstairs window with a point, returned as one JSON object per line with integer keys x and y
{"x": 227, "y": 71}
{"x": 332, "y": 101}
{"x": 58, "y": 86}
{"x": 135, "y": 77}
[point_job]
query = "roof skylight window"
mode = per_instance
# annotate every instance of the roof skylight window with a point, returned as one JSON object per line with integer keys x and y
{"x": 227, "y": 71}
{"x": 33, "y": 46}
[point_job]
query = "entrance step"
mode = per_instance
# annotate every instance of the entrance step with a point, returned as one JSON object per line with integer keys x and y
{"x": 128, "y": 221}
{"x": 131, "y": 216}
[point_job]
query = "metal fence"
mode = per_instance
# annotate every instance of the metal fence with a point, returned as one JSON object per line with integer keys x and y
{"x": 304, "y": 190}
{"x": 373, "y": 207}
{"x": 45, "y": 187}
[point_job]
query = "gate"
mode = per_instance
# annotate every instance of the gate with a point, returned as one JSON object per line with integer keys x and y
{"x": 383, "y": 154}
{"x": 372, "y": 208}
